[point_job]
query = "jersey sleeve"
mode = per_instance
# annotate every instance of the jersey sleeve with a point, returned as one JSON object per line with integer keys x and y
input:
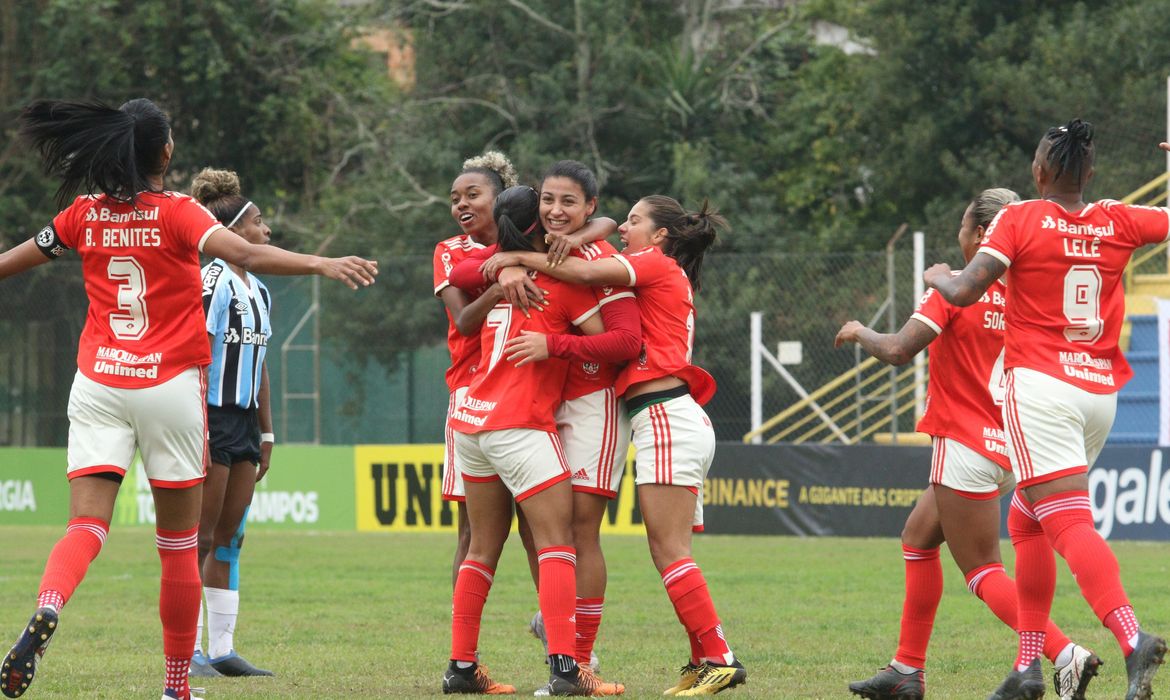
{"x": 934, "y": 311}
{"x": 215, "y": 297}
{"x": 66, "y": 227}
{"x": 620, "y": 342}
{"x": 1001, "y": 240}
{"x": 645, "y": 267}
{"x": 1146, "y": 224}
{"x": 580, "y": 304}
{"x": 466, "y": 275}
{"x": 191, "y": 223}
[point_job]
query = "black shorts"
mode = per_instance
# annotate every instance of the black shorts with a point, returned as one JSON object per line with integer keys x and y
{"x": 233, "y": 435}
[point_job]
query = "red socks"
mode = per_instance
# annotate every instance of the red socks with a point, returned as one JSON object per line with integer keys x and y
{"x": 588, "y": 620}
{"x": 471, "y": 592}
{"x": 557, "y": 591}
{"x": 924, "y": 586}
{"x": 991, "y": 584}
{"x": 1124, "y": 625}
{"x": 688, "y": 592}
{"x": 70, "y": 559}
{"x": 178, "y": 602}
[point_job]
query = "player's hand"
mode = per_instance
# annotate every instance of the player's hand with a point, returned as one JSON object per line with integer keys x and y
{"x": 353, "y": 271}
{"x": 936, "y": 274}
{"x": 527, "y": 347}
{"x": 559, "y": 247}
{"x": 520, "y": 290}
{"x": 492, "y": 266}
{"x": 1164, "y": 146}
{"x": 847, "y": 334}
{"x": 265, "y": 459}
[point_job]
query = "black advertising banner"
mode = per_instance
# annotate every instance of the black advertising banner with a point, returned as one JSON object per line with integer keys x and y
{"x": 844, "y": 490}
{"x": 868, "y": 490}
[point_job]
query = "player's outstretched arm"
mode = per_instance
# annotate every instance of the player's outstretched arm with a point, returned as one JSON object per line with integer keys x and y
{"x": 559, "y": 246}
{"x": 965, "y": 288}
{"x": 20, "y": 258}
{"x": 592, "y": 273}
{"x": 267, "y": 259}
{"x": 891, "y": 348}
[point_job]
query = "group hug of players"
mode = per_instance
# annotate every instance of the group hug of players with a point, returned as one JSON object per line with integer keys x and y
{"x": 564, "y": 352}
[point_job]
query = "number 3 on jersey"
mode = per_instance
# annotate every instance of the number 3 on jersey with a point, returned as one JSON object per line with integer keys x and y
{"x": 131, "y": 280}
{"x": 1082, "y": 304}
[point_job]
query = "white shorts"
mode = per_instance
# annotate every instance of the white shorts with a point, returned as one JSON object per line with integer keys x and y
{"x": 675, "y": 443}
{"x": 595, "y": 432}
{"x": 1053, "y": 428}
{"x": 167, "y": 423}
{"x": 968, "y": 472}
{"x": 527, "y": 461}
{"x": 452, "y": 477}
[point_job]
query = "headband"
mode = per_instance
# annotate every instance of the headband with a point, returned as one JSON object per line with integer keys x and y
{"x": 530, "y": 229}
{"x": 239, "y": 213}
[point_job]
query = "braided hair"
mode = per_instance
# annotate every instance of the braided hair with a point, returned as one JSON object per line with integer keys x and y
{"x": 1068, "y": 150}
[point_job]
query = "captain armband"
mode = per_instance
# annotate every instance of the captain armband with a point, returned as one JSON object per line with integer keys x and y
{"x": 49, "y": 243}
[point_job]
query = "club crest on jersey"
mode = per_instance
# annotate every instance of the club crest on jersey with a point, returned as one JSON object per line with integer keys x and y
{"x": 591, "y": 367}
{"x": 642, "y": 355}
{"x": 607, "y": 291}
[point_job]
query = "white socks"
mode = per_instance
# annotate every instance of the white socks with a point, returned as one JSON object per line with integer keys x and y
{"x": 223, "y": 606}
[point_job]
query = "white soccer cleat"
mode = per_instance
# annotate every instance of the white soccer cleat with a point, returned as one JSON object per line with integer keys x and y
{"x": 1073, "y": 678}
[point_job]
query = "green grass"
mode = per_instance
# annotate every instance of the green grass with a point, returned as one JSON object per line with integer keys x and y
{"x": 349, "y": 615}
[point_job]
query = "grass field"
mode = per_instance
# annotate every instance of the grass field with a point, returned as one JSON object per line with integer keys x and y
{"x": 349, "y": 615}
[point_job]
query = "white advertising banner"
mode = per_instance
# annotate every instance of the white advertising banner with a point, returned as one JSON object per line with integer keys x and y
{"x": 1163, "y": 372}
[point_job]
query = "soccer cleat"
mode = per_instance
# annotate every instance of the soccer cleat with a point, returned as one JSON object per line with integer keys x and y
{"x": 235, "y": 665}
{"x": 586, "y": 684}
{"x": 1021, "y": 685}
{"x": 201, "y": 667}
{"x": 715, "y": 678}
{"x": 473, "y": 680}
{"x": 1073, "y": 678}
{"x": 891, "y": 684}
{"x": 688, "y": 674}
{"x": 20, "y": 664}
{"x": 1141, "y": 665}
{"x": 172, "y": 694}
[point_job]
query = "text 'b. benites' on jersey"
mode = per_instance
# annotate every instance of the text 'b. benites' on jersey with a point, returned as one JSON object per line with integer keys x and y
{"x": 1066, "y": 304}
{"x": 238, "y": 316}
{"x": 138, "y": 332}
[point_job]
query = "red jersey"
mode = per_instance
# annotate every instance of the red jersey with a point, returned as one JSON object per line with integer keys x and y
{"x": 966, "y": 389}
{"x": 1067, "y": 305}
{"x": 141, "y": 268}
{"x": 464, "y": 349}
{"x": 666, "y": 304}
{"x": 503, "y": 395}
{"x": 587, "y": 377}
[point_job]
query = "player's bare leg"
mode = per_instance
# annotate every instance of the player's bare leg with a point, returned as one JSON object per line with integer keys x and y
{"x": 91, "y": 507}
{"x": 669, "y": 512}
{"x": 489, "y": 517}
{"x": 462, "y": 540}
{"x": 176, "y": 535}
{"x": 904, "y": 676}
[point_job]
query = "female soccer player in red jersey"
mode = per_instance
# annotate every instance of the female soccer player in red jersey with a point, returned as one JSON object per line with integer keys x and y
{"x": 507, "y": 447}
{"x": 1064, "y": 259}
{"x": 472, "y": 194}
{"x": 969, "y": 470}
{"x": 140, "y": 381}
{"x": 675, "y": 442}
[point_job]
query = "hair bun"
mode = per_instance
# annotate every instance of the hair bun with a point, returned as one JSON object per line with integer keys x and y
{"x": 210, "y": 184}
{"x": 1080, "y": 130}
{"x": 498, "y": 163}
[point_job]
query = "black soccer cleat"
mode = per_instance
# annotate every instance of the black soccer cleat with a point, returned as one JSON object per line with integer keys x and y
{"x": 473, "y": 680}
{"x": 20, "y": 664}
{"x": 233, "y": 664}
{"x": 1021, "y": 685}
{"x": 891, "y": 684}
{"x": 1141, "y": 665}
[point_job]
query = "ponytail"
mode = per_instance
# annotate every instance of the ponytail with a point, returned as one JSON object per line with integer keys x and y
{"x": 989, "y": 202}
{"x": 688, "y": 234}
{"x": 1069, "y": 150}
{"x": 94, "y": 146}
{"x": 517, "y": 215}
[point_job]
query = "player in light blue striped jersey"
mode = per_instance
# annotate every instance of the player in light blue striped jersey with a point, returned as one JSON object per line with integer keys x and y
{"x": 239, "y": 420}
